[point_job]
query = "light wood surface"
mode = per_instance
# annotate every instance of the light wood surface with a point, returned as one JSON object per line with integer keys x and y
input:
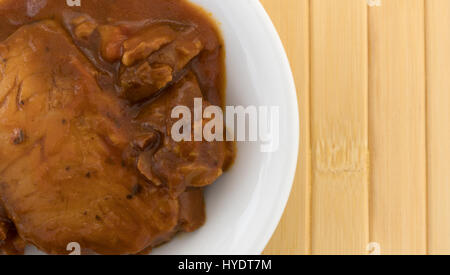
{"x": 438, "y": 124}
{"x": 339, "y": 127}
{"x": 397, "y": 126}
{"x": 292, "y": 236}
{"x": 373, "y": 85}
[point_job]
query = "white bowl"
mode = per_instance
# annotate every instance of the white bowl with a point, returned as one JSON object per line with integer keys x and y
{"x": 246, "y": 203}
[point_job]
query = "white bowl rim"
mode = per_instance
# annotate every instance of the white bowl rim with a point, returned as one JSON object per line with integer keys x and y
{"x": 293, "y": 154}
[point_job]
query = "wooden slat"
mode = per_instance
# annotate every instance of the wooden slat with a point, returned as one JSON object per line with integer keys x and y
{"x": 291, "y": 17}
{"x": 397, "y": 126}
{"x": 438, "y": 113}
{"x": 400, "y": 117}
{"x": 339, "y": 126}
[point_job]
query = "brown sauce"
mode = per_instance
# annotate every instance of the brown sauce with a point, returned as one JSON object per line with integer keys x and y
{"x": 86, "y": 93}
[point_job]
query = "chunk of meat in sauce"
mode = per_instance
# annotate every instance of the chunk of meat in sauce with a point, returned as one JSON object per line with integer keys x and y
{"x": 149, "y": 67}
{"x": 146, "y": 42}
{"x": 111, "y": 39}
{"x": 151, "y": 58}
{"x": 179, "y": 164}
{"x": 192, "y": 209}
{"x": 84, "y": 27}
{"x": 89, "y": 169}
{"x": 65, "y": 182}
{"x": 144, "y": 80}
{"x": 10, "y": 242}
{"x": 4, "y": 224}
{"x": 13, "y": 244}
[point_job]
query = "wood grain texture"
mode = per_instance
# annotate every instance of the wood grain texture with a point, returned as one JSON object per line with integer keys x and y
{"x": 405, "y": 124}
{"x": 293, "y": 233}
{"x": 397, "y": 126}
{"x": 438, "y": 124}
{"x": 339, "y": 127}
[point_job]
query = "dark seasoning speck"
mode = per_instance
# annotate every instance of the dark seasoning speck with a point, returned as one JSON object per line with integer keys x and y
{"x": 18, "y": 136}
{"x": 134, "y": 191}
